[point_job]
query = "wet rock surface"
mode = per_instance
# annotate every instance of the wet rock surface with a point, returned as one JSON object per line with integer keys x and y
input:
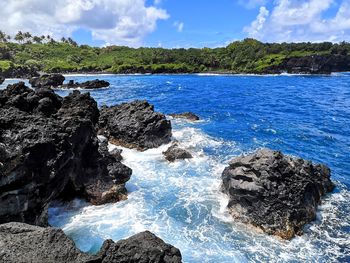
{"x": 175, "y": 152}
{"x": 91, "y": 84}
{"x": 274, "y": 192}
{"x": 25, "y": 243}
{"x": 134, "y": 125}
{"x": 47, "y": 80}
{"x": 185, "y": 115}
{"x": 48, "y": 150}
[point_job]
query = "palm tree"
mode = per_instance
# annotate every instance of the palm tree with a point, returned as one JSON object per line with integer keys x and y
{"x": 19, "y": 37}
{"x": 3, "y": 36}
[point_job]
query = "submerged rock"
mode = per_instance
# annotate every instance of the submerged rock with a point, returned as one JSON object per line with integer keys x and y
{"x": 274, "y": 192}
{"x": 186, "y": 115}
{"x": 2, "y": 79}
{"x": 174, "y": 152}
{"x": 91, "y": 84}
{"x": 134, "y": 125}
{"x": 47, "y": 80}
{"x": 25, "y": 243}
{"x": 49, "y": 149}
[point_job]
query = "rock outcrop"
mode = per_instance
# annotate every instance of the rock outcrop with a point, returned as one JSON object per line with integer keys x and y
{"x": 47, "y": 81}
{"x": 175, "y": 152}
{"x": 2, "y": 79}
{"x": 317, "y": 64}
{"x": 274, "y": 192}
{"x": 25, "y": 243}
{"x": 143, "y": 247}
{"x": 134, "y": 125}
{"x": 49, "y": 149}
{"x": 186, "y": 115}
{"x": 91, "y": 84}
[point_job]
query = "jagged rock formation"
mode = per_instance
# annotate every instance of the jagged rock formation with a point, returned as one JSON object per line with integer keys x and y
{"x": 49, "y": 149}
{"x": 91, "y": 84}
{"x": 317, "y": 64}
{"x": 25, "y": 243}
{"x": 2, "y": 79}
{"x": 47, "y": 81}
{"x": 274, "y": 192}
{"x": 174, "y": 152}
{"x": 134, "y": 125}
{"x": 186, "y": 115}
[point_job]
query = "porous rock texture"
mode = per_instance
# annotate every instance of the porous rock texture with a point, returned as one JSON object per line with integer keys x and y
{"x": 274, "y": 192}
{"x": 21, "y": 243}
{"x": 48, "y": 150}
{"x": 134, "y": 125}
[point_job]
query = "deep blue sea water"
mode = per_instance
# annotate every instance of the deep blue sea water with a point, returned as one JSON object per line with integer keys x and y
{"x": 306, "y": 116}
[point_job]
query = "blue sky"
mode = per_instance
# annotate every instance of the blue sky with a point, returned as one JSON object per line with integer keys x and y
{"x": 179, "y": 23}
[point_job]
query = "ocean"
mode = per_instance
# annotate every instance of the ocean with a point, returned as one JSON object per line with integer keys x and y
{"x": 181, "y": 202}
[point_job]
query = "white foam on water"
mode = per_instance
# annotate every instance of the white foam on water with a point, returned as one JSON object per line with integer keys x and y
{"x": 181, "y": 202}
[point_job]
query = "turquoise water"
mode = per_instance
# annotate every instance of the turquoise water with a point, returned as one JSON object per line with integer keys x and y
{"x": 307, "y": 116}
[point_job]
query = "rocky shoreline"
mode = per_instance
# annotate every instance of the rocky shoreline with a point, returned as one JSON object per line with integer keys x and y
{"x": 56, "y": 148}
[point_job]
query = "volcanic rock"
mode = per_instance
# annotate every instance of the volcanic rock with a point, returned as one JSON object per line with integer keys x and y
{"x": 134, "y": 125}
{"x": 49, "y": 149}
{"x": 2, "y": 79}
{"x": 25, "y": 243}
{"x": 174, "y": 152}
{"x": 91, "y": 84}
{"x": 274, "y": 192}
{"x": 186, "y": 115}
{"x": 47, "y": 80}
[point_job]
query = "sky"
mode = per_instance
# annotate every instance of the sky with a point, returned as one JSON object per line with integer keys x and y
{"x": 179, "y": 23}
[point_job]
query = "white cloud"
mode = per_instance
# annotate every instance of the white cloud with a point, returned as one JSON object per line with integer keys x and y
{"x": 294, "y": 20}
{"x": 252, "y": 3}
{"x": 124, "y": 22}
{"x": 179, "y": 26}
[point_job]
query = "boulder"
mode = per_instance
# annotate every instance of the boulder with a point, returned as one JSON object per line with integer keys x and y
{"x": 2, "y": 79}
{"x": 25, "y": 243}
{"x": 91, "y": 84}
{"x": 174, "y": 152}
{"x": 186, "y": 115}
{"x": 49, "y": 150}
{"x": 134, "y": 125}
{"x": 142, "y": 248}
{"x": 47, "y": 80}
{"x": 274, "y": 192}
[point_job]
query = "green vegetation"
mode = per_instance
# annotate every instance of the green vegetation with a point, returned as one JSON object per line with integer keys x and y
{"x": 248, "y": 56}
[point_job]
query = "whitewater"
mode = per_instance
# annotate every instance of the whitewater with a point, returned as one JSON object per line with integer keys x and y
{"x": 181, "y": 202}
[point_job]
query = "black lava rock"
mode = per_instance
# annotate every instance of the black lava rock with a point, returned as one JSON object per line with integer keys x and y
{"x": 47, "y": 80}
{"x": 174, "y": 152}
{"x": 186, "y": 115}
{"x": 274, "y": 192}
{"x": 25, "y": 243}
{"x": 91, "y": 84}
{"x": 134, "y": 125}
{"x": 49, "y": 149}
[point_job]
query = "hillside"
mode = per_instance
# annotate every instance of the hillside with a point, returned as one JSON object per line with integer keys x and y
{"x": 247, "y": 56}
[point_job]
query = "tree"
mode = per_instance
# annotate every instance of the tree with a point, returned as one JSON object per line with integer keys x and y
{"x": 72, "y": 42}
{"x": 37, "y": 39}
{"x": 19, "y": 37}
{"x": 3, "y": 36}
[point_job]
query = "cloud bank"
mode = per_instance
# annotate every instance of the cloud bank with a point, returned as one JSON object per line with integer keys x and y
{"x": 122, "y": 22}
{"x": 294, "y": 20}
